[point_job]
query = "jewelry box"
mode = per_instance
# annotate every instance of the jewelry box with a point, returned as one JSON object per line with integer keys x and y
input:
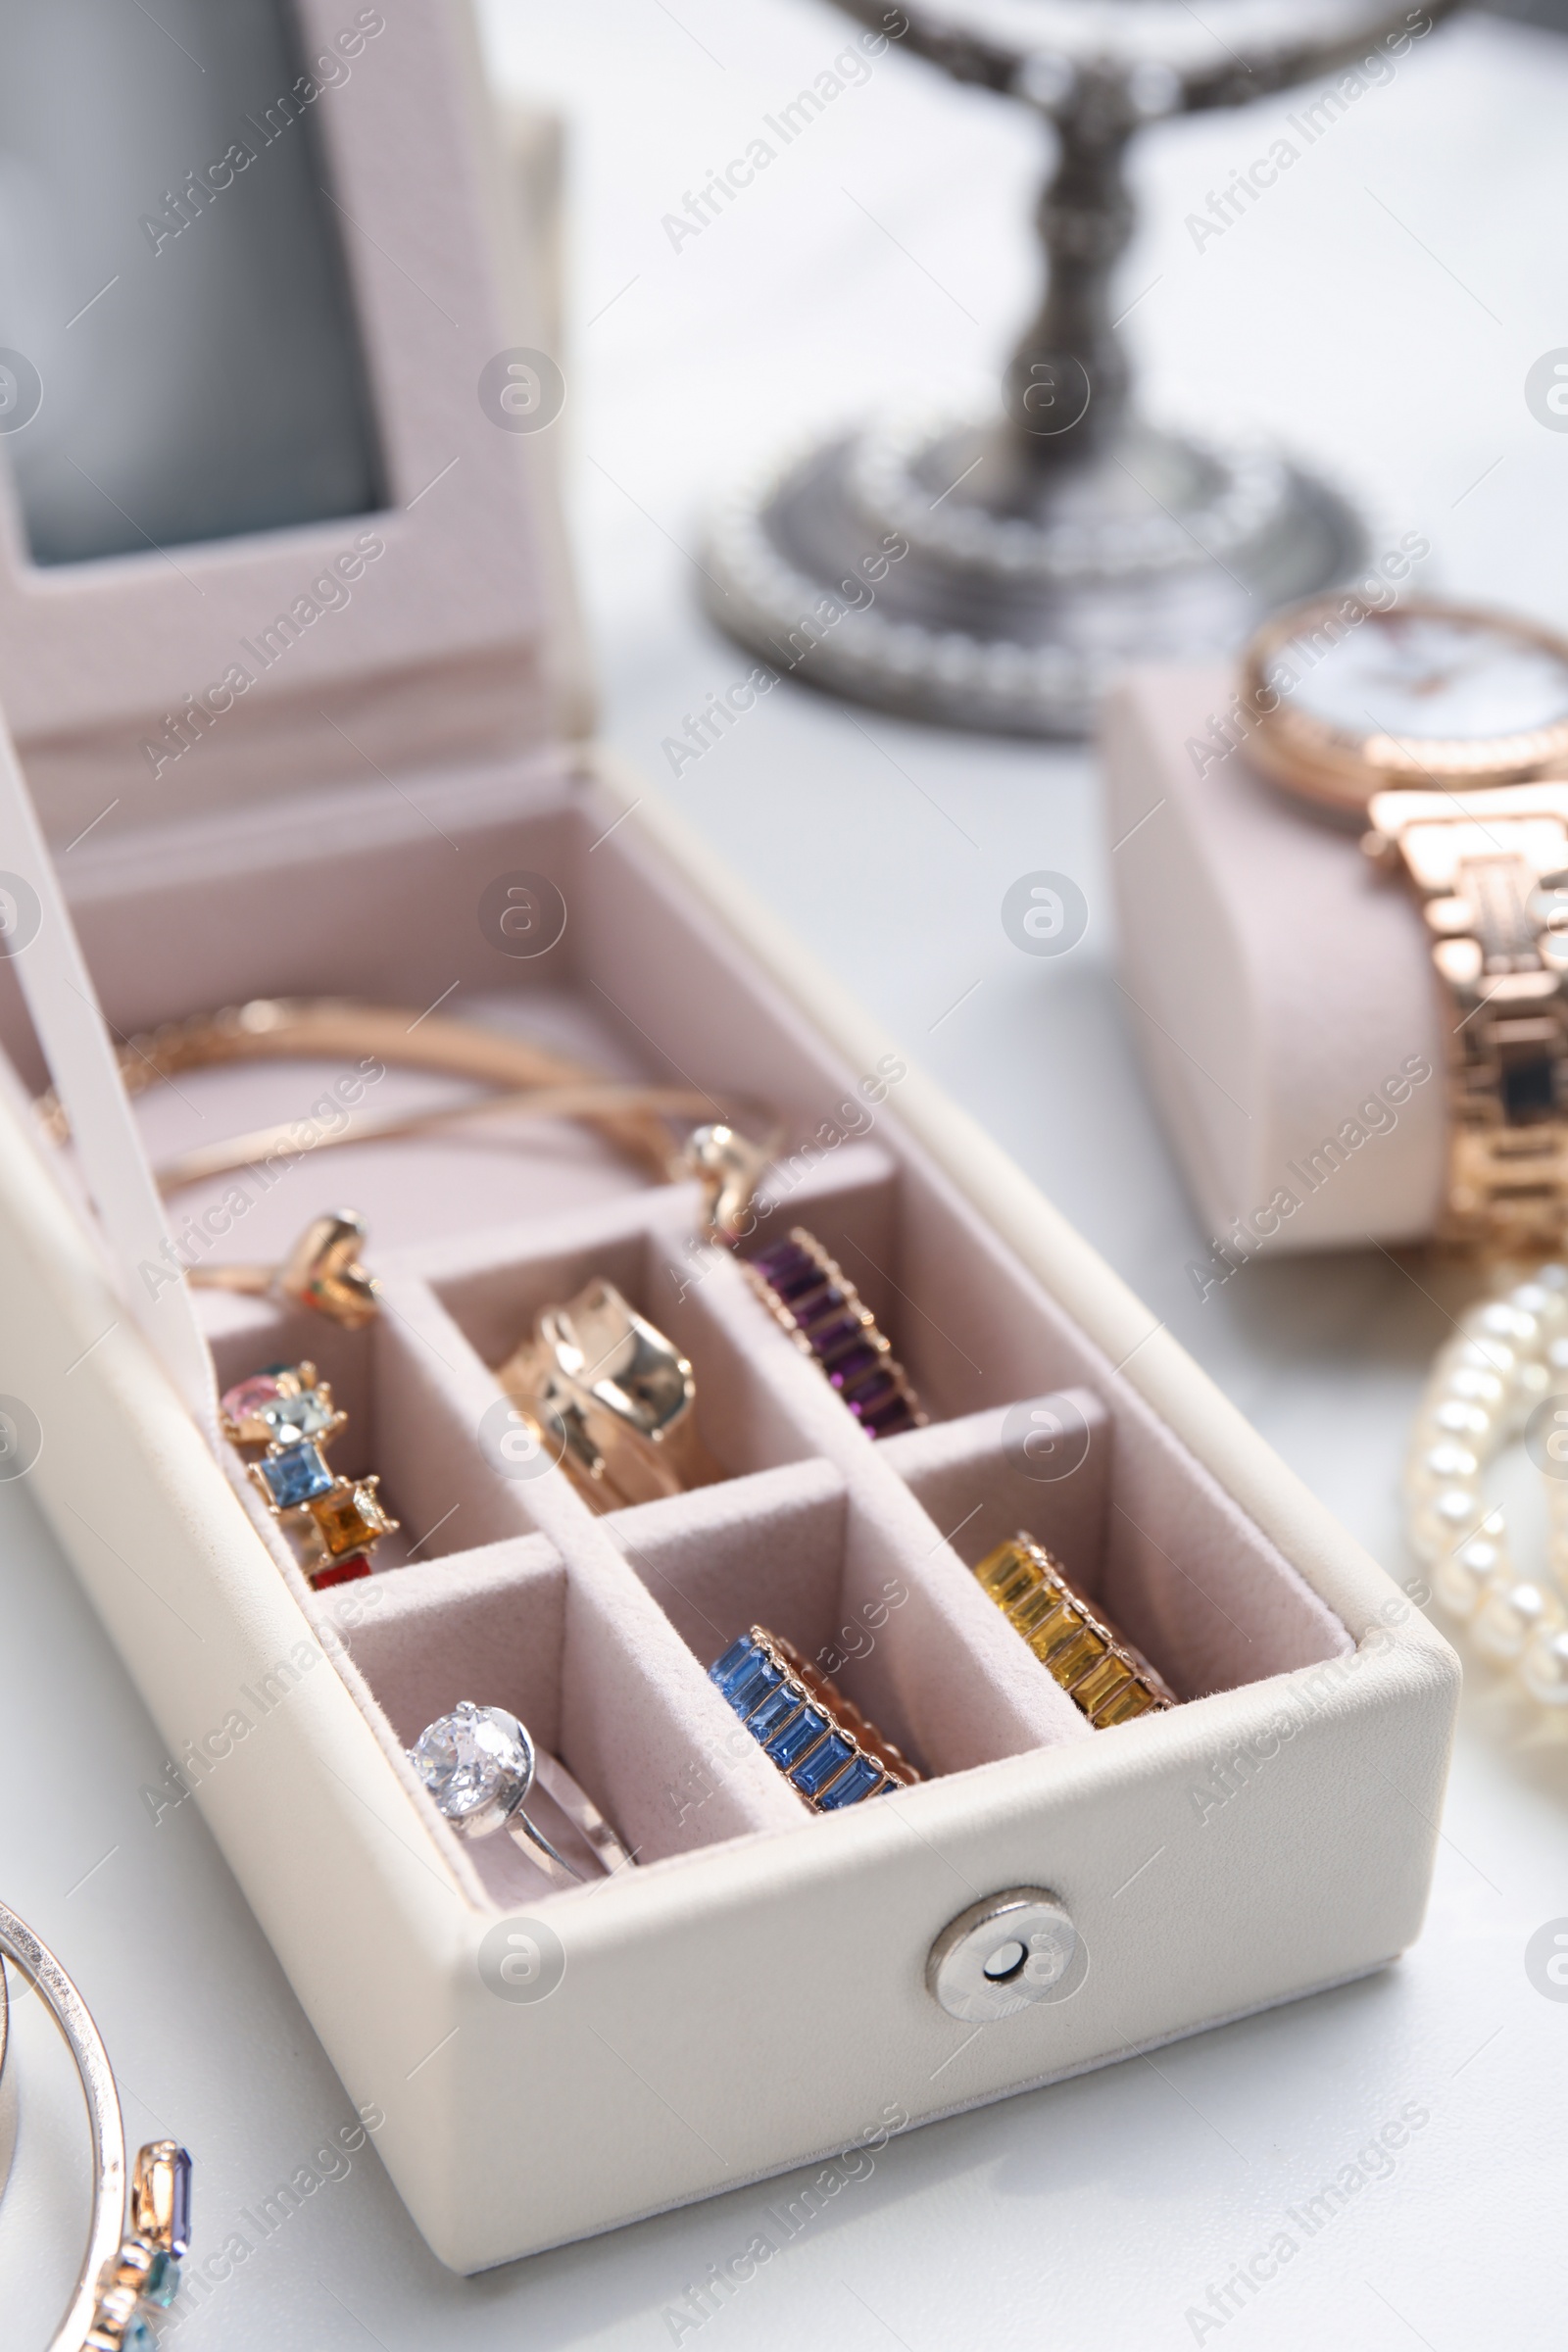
{"x": 764, "y": 1984}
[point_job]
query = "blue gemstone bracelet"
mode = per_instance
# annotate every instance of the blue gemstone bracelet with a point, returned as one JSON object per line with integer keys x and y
{"x": 802, "y": 1721}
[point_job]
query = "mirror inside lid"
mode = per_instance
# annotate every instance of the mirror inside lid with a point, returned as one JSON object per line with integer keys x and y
{"x": 275, "y": 493}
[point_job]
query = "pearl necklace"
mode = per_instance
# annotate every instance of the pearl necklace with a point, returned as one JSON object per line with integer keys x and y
{"x": 1505, "y": 1376}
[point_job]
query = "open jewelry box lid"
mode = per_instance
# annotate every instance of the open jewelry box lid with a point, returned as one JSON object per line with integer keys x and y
{"x": 456, "y": 641}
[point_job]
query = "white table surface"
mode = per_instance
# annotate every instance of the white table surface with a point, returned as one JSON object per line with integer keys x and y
{"x": 1381, "y": 309}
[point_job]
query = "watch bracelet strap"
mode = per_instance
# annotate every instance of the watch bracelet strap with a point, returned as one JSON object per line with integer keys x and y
{"x": 1504, "y": 982}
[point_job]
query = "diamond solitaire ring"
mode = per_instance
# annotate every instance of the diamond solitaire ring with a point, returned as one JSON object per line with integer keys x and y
{"x": 479, "y": 1765}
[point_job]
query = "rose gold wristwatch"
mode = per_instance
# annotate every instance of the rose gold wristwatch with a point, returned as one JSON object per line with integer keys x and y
{"x": 1448, "y": 727}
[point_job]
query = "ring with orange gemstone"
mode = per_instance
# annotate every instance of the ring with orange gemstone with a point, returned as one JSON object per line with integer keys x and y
{"x": 1103, "y": 1674}
{"x": 288, "y": 1412}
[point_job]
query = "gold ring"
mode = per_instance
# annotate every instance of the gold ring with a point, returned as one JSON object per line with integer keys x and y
{"x": 1103, "y": 1675}
{"x": 322, "y": 1270}
{"x": 729, "y": 1167}
{"x": 611, "y": 1399}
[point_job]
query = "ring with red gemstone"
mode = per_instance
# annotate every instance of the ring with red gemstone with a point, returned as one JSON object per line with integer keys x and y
{"x": 288, "y": 1412}
{"x": 810, "y": 1295}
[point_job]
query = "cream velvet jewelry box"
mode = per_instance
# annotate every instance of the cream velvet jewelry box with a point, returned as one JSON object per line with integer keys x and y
{"x": 763, "y": 1985}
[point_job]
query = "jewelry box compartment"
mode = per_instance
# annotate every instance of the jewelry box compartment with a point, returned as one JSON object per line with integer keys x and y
{"x": 604, "y": 1651}
{"x": 1052, "y": 1404}
{"x": 858, "y": 1552}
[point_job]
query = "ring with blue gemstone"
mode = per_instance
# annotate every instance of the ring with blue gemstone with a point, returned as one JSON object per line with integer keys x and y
{"x": 288, "y": 1411}
{"x": 808, "y": 1292}
{"x": 802, "y": 1721}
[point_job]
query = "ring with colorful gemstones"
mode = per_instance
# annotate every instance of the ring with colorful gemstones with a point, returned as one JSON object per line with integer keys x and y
{"x": 1105, "y": 1677}
{"x": 804, "y": 1723}
{"x": 480, "y": 1766}
{"x": 130, "y": 2272}
{"x": 337, "y": 1521}
{"x": 810, "y": 1293}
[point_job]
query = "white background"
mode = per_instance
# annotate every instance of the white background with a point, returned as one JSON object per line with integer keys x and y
{"x": 1379, "y": 309}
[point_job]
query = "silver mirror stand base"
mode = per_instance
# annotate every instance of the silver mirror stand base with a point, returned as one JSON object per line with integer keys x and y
{"x": 1020, "y": 594}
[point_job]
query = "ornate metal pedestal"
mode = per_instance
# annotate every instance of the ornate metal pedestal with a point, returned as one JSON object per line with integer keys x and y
{"x": 1051, "y": 545}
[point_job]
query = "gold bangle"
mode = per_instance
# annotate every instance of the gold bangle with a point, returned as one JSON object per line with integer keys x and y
{"x": 527, "y": 1082}
{"x": 327, "y": 1028}
{"x": 1103, "y": 1675}
{"x": 613, "y": 1400}
{"x": 593, "y": 1102}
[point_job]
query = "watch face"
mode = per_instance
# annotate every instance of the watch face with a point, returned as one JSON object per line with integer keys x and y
{"x": 1429, "y": 675}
